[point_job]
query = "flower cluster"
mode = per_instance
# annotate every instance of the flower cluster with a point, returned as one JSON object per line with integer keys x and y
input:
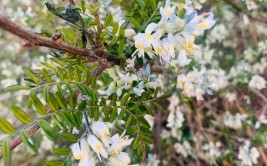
{"x": 234, "y": 121}
{"x": 106, "y": 147}
{"x": 194, "y": 84}
{"x": 173, "y": 35}
{"x": 129, "y": 81}
{"x": 247, "y": 155}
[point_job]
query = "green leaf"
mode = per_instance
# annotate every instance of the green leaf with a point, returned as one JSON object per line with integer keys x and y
{"x": 145, "y": 139}
{"x": 46, "y": 93}
{"x": 157, "y": 105}
{"x": 52, "y": 102}
{"x": 108, "y": 20}
{"x": 20, "y": 114}
{"x": 73, "y": 100}
{"x": 61, "y": 151}
{"x": 28, "y": 140}
{"x": 165, "y": 95}
{"x": 53, "y": 163}
{"x": 115, "y": 28}
{"x": 49, "y": 132}
{"x": 135, "y": 23}
{"x": 153, "y": 4}
{"x": 46, "y": 75}
{"x": 60, "y": 73}
{"x": 144, "y": 122}
{"x": 6, "y": 152}
{"x": 6, "y": 127}
{"x": 16, "y": 88}
{"x": 61, "y": 101}
{"x": 38, "y": 105}
{"x": 144, "y": 14}
{"x": 182, "y": 13}
{"x": 69, "y": 137}
{"x": 59, "y": 121}
{"x": 128, "y": 122}
{"x": 49, "y": 66}
{"x": 82, "y": 5}
{"x": 31, "y": 75}
{"x": 68, "y": 161}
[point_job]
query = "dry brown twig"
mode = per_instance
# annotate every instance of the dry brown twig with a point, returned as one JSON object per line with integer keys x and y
{"x": 33, "y": 39}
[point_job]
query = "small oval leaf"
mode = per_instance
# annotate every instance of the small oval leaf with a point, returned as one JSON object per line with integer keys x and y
{"x": 49, "y": 132}
{"x": 28, "y": 141}
{"x": 61, "y": 151}
{"x": 20, "y": 114}
{"x": 6, "y": 152}
{"x": 6, "y": 127}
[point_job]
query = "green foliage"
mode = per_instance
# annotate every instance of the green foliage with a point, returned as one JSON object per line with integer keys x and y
{"x": 6, "y": 127}
{"x": 20, "y": 114}
{"x": 6, "y": 152}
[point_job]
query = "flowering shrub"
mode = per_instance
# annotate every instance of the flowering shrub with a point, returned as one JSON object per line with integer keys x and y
{"x": 139, "y": 82}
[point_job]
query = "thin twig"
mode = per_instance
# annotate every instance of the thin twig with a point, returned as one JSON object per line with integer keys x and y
{"x": 36, "y": 40}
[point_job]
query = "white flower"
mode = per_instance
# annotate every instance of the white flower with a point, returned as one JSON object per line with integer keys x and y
{"x": 97, "y": 146}
{"x": 234, "y": 121}
{"x": 118, "y": 143}
{"x": 212, "y": 150}
{"x": 168, "y": 45}
{"x": 153, "y": 160}
{"x": 176, "y": 117}
{"x": 100, "y": 129}
{"x": 129, "y": 33}
{"x": 185, "y": 148}
{"x": 81, "y": 151}
{"x": 167, "y": 11}
{"x": 247, "y": 155}
{"x": 196, "y": 27}
{"x": 142, "y": 45}
{"x": 182, "y": 58}
{"x": 231, "y": 97}
{"x": 122, "y": 159}
{"x": 262, "y": 119}
{"x": 186, "y": 42}
{"x": 150, "y": 119}
{"x": 139, "y": 89}
{"x": 257, "y": 82}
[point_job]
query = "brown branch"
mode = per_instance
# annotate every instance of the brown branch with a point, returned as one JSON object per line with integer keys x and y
{"x": 239, "y": 9}
{"x": 36, "y": 40}
{"x": 31, "y": 131}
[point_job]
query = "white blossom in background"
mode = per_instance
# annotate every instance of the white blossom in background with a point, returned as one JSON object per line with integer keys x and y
{"x": 218, "y": 33}
{"x": 261, "y": 120}
{"x": 211, "y": 151}
{"x": 184, "y": 148}
{"x": 194, "y": 84}
{"x": 230, "y": 96}
{"x": 152, "y": 160}
{"x": 248, "y": 156}
{"x": 234, "y": 121}
{"x": 257, "y": 82}
{"x": 176, "y": 117}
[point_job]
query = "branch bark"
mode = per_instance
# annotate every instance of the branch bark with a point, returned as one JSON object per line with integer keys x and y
{"x": 95, "y": 55}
